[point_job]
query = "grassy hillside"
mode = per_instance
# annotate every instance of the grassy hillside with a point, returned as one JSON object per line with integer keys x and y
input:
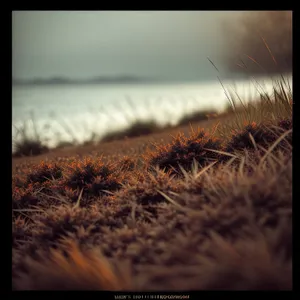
{"x": 183, "y": 209}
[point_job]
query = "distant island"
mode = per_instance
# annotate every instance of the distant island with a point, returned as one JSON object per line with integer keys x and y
{"x": 98, "y": 80}
{"x": 122, "y": 79}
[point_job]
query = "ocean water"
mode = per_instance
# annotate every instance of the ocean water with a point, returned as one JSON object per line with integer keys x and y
{"x": 73, "y": 112}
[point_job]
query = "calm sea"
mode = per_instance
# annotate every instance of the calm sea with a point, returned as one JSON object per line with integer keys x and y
{"x": 68, "y": 112}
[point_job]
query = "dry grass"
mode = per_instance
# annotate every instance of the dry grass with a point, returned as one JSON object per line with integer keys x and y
{"x": 78, "y": 270}
{"x": 192, "y": 212}
{"x": 221, "y": 229}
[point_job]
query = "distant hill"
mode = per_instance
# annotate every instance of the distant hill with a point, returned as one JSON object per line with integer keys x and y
{"x": 98, "y": 79}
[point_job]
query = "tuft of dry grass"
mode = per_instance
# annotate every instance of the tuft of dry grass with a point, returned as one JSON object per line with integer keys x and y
{"x": 183, "y": 150}
{"x": 269, "y": 109}
{"x": 28, "y": 145}
{"x": 44, "y": 172}
{"x": 136, "y": 129}
{"x": 255, "y": 136}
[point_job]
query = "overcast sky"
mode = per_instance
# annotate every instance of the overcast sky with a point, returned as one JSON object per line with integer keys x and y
{"x": 170, "y": 45}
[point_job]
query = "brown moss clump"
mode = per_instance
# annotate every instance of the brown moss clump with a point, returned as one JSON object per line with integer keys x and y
{"x": 126, "y": 163}
{"x": 286, "y": 123}
{"x": 184, "y": 150}
{"x": 64, "y": 220}
{"x": 264, "y": 135}
{"x": 242, "y": 139}
{"x": 29, "y": 147}
{"x": 24, "y": 197}
{"x": 44, "y": 172}
{"x": 93, "y": 176}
